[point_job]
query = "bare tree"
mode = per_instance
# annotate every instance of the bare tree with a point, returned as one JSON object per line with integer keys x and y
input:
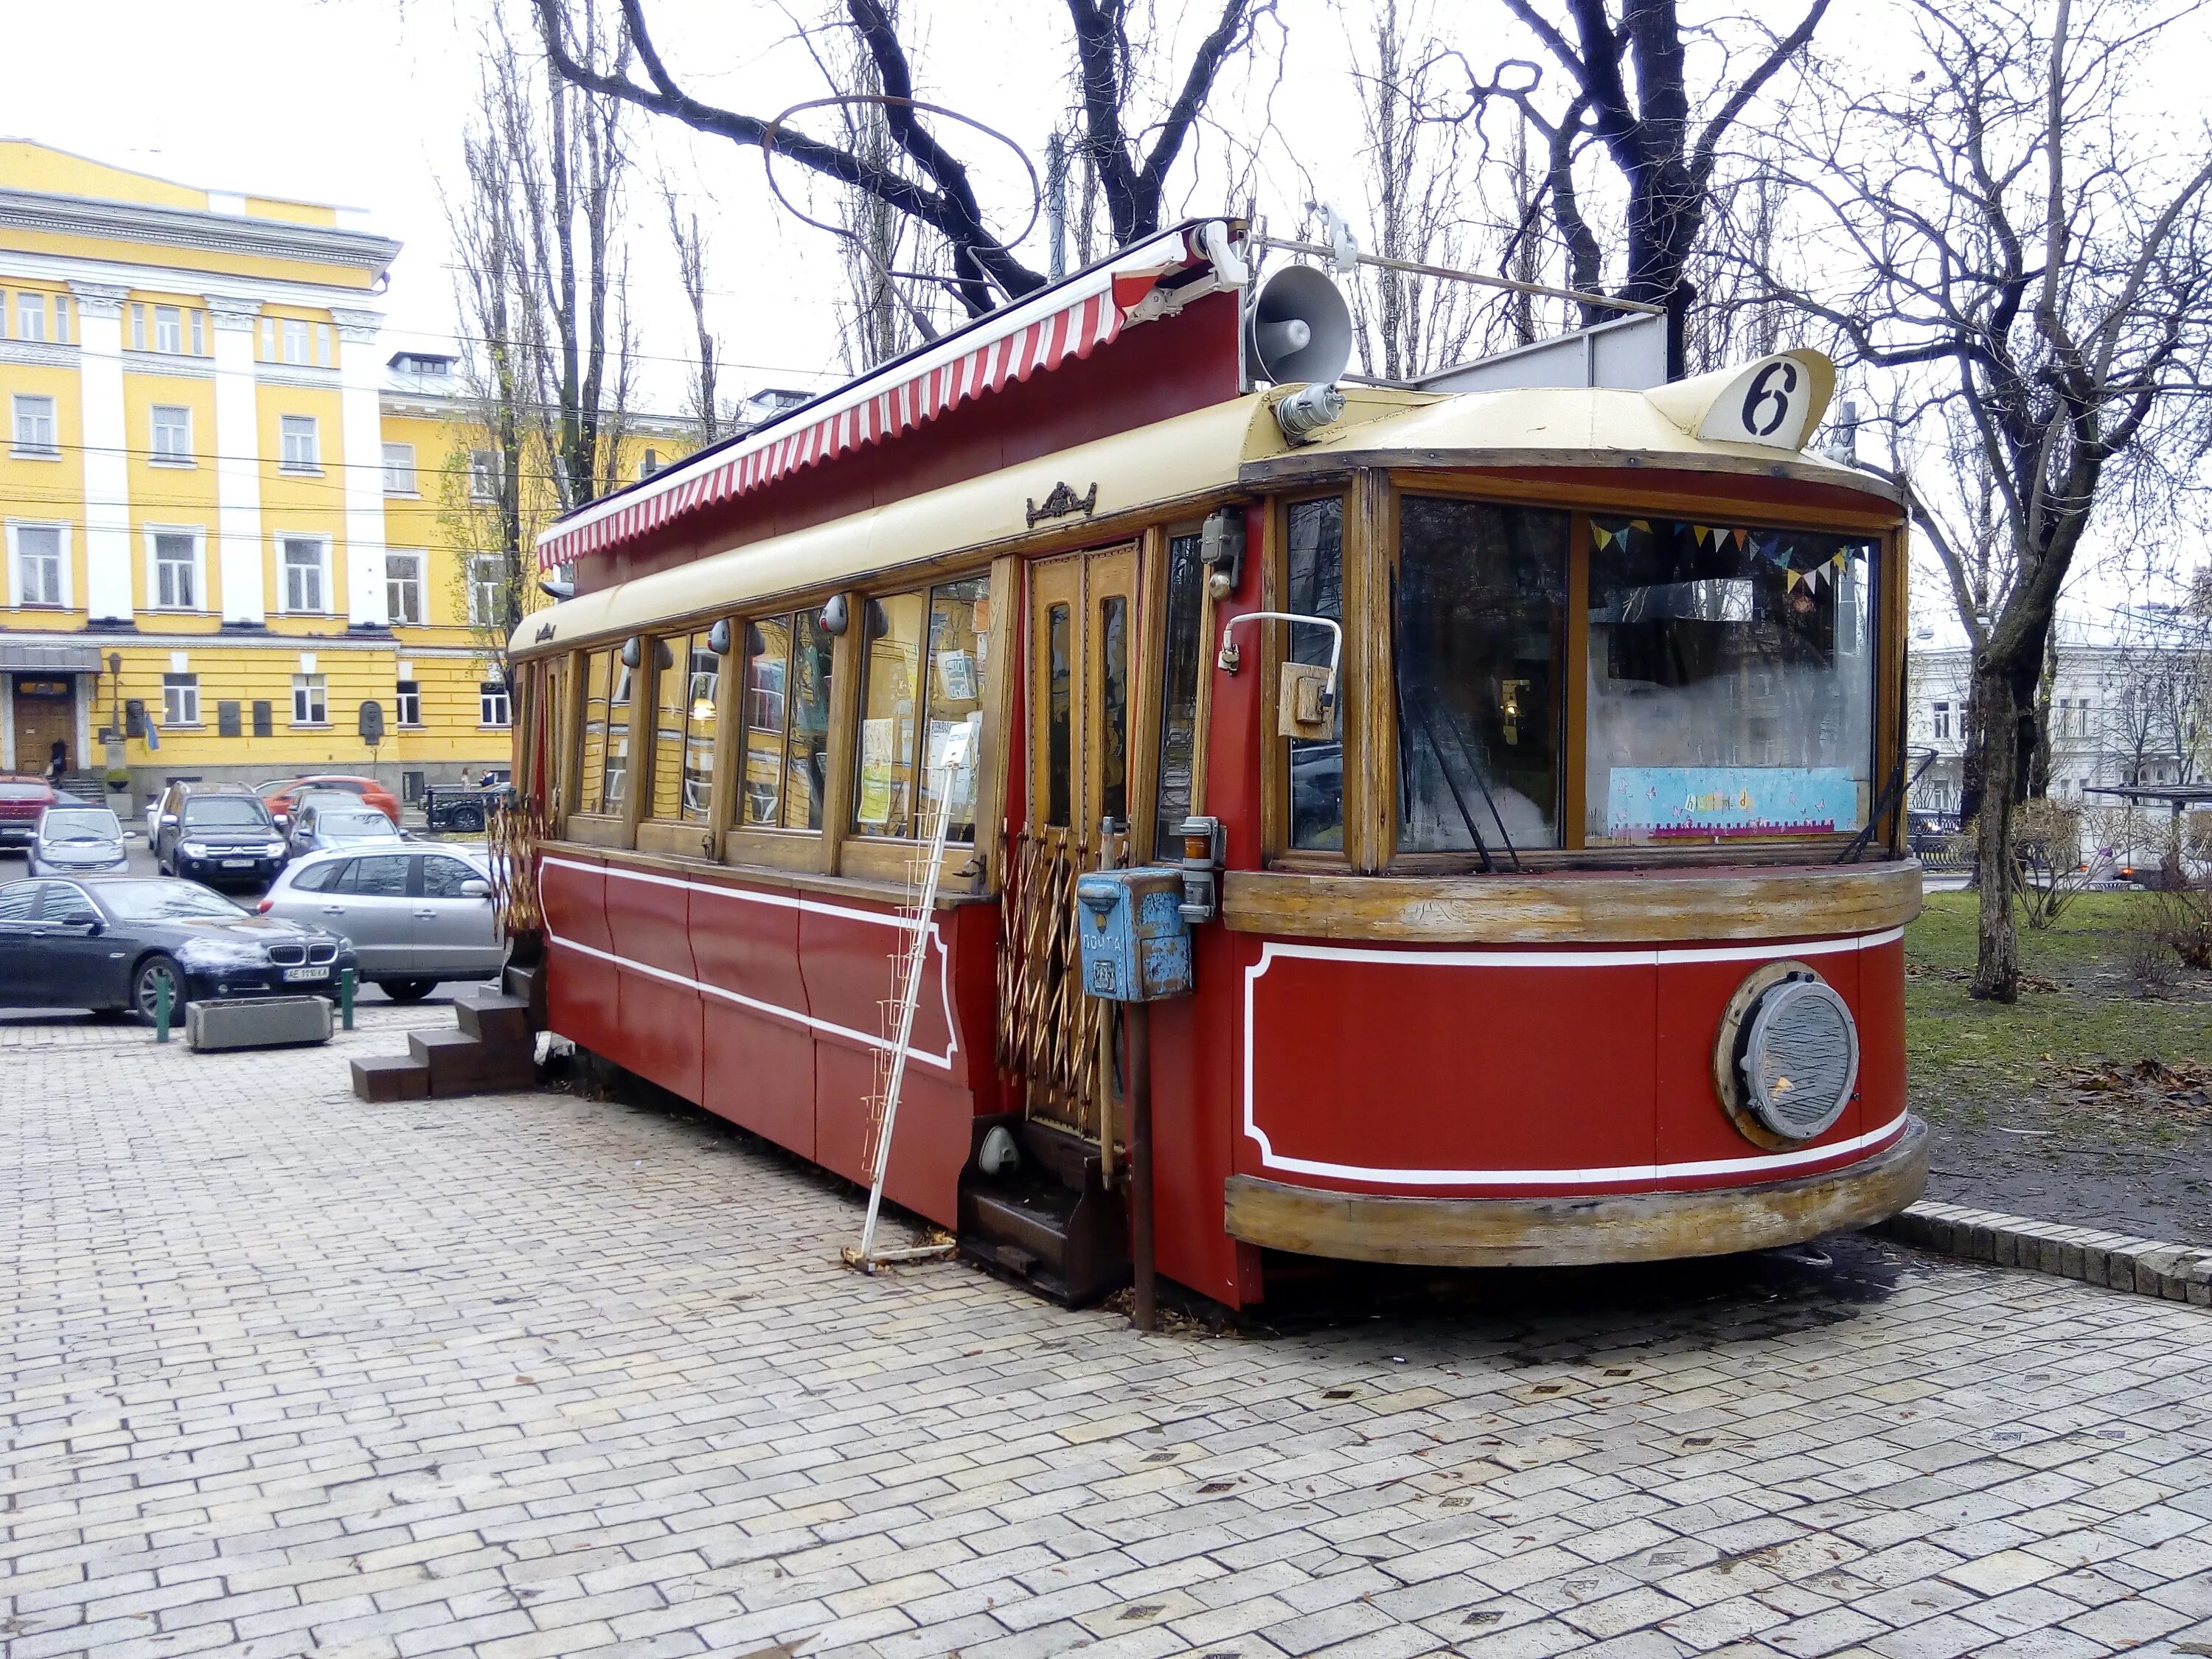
{"x": 1415, "y": 184}
{"x": 691, "y": 272}
{"x": 1628, "y": 94}
{"x": 542, "y": 281}
{"x": 1130, "y": 150}
{"x": 2037, "y": 270}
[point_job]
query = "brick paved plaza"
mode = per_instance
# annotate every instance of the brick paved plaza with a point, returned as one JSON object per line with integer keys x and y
{"x": 529, "y": 1375}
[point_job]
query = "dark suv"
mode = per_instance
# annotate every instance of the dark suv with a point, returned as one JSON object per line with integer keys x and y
{"x": 218, "y": 833}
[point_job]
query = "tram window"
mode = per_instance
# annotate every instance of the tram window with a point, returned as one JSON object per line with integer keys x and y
{"x": 1059, "y": 717}
{"x": 959, "y": 649}
{"x": 614, "y": 784}
{"x": 684, "y": 729}
{"x": 1480, "y": 627}
{"x": 890, "y": 688}
{"x": 591, "y": 774}
{"x": 806, "y": 751}
{"x": 1315, "y": 589}
{"x": 1185, "y": 599}
{"x": 1731, "y": 682}
{"x": 767, "y": 670}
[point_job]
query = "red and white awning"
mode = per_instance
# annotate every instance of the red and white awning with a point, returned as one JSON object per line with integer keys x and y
{"x": 1070, "y": 319}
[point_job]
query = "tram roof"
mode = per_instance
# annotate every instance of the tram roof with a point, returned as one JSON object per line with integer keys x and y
{"x": 1154, "y": 469}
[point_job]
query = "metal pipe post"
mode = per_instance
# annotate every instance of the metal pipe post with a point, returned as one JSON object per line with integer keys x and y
{"x": 161, "y": 1009}
{"x": 345, "y": 998}
{"x": 1138, "y": 1018}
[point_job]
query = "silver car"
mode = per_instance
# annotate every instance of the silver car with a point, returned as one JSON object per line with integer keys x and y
{"x": 77, "y": 840}
{"x": 416, "y": 915}
{"x": 327, "y": 821}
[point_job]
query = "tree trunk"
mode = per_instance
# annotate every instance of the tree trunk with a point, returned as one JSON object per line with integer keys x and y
{"x": 1997, "y": 969}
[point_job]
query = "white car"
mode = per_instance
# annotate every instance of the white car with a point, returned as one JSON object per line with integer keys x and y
{"x": 417, "y": 915}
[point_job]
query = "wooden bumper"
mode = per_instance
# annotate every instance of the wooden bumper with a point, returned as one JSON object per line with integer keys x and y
{"x": 1580, "y": 1231}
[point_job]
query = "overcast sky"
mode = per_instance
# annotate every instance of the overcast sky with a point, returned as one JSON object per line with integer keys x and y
{"x": 361, "y": 102}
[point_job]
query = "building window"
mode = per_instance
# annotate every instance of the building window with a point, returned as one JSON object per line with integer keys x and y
{"x": 487, "y": 591}
{"x": 172, "y": 434}
{"x": 296, "y": 340}
{"x": 302, "y": 562}
{"x": 2081, "y": 718}
{"x": 176, "y": 571}
{"x": 199, "y": 334}
{"x": 169, "y": 329}
{"x": 1943, "y": 720}
{"x": 400, "y": 469}
{"x": 648, "y": 464}
{"x": 402, "y": 587}
{"x": 34, "y": 426}
{"x": 310, "y": 706}
{"x": 483, "y": 475}
{"x": 493, "y": 706}
{"x": 407, "y": 703}
{"x": 269, "y": 339}
{"x": 30, "y": 316}
{"x": 180, "y": 699}
{"x": 300, "y": 450}
{"x": 38, "y": 563}
{"x": 138, "y": 328}
{"x": 323, "y": 345}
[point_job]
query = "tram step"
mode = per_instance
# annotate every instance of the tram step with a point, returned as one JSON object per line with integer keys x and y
{"x": 493, "y": 1018}
{"x": 1065, "y": 1239}
{"x": 527, "y": 987}
{"x": 391, "y": 1077}
{"x": 459, "y": 1064}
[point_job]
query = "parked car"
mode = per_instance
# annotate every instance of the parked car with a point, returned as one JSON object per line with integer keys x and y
{"x": 78, "y": 841}
{"x": 21, "y": 800}
{"x": 217, "y": 833}
{"x": 283, "y": 794}
{"x": 107, "y": 943}
{"x": 467, "y": 807}
{"x": 414, "y": 917}
{"x": 331, "y": 819}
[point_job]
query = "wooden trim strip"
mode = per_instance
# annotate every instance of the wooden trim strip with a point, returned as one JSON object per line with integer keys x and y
{"x": 1578, "y": 1231}
{"x": 1583, "y": 907}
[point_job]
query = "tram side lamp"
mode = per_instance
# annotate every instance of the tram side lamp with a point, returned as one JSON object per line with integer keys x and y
{"x": 1134, "y": 941}
{"x": 1205, "y": 849}
{"x": 1221, "y": 550}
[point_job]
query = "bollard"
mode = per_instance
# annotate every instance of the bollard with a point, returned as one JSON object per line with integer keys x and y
{"x": 161, "y": 1009}
{"x": 345, "y": 999}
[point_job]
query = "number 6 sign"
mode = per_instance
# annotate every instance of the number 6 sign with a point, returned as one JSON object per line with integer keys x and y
{"x": 1775, "y": 403}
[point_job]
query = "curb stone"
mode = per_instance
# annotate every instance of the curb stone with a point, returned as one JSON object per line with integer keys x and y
{"x": 2121, "y": 1262}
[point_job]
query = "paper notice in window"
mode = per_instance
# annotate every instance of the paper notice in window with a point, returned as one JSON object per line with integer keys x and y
{"x": 1663, "y": 803}
{"x": 878, "y": 757}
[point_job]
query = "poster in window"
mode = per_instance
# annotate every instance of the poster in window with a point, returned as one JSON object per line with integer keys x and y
{"x": 1663, "y": 803}
{"x": 879, "y": 753}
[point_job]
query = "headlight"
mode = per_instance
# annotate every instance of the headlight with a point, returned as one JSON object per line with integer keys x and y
{"x": 1788, "y": 1056}
{"x": 193, "y": 849}
{"x": 274, "y": 850}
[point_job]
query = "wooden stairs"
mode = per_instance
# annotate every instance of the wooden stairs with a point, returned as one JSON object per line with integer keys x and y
{"x": 493, "y": 1047}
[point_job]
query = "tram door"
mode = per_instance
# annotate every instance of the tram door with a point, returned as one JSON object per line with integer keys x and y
{"x": 1082, "y": 625}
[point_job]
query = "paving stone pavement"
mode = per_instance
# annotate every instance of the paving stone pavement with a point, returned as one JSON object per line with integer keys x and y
{"x": 531, "y": 1375}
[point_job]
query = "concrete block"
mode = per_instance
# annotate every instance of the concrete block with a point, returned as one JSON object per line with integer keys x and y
{"x": 459, "y": 1064}
{"x": 391, "y": 1077}
{"x": 256, "y": 1022}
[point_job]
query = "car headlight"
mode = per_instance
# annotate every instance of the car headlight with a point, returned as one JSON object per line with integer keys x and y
{"x": 193, "y": 849}
{"x": 274, "y": 850}
{"x": 1788, "y": 1056}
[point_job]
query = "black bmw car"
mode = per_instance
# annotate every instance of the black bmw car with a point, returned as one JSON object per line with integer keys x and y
{"x": 107, "y": 942}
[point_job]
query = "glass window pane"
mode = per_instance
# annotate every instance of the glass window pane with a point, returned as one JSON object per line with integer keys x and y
{"x": 959, "y": 647}
{"x": 806, "y": 754}
{"x": 1480, "y": 629}
{"x": 1731, "y": 682}
{"x": 384, "y": 876}
{"x": 883, "y": 805}
{"x": 1059, "y": 716}
{"x": 702, "y": 683}
{"x": 614, "y": 787}
{"x": 767, "y": 670}
{"x": 1114, "y": 708}
{"x": 672, "y": 703}
{"x": 1315, "y": 589}
{"x": 592, "y": 771}
{"x": 1185, "y": 599}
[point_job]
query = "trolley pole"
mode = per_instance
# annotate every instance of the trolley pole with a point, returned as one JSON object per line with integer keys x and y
{"x": 1139, "y": 1019}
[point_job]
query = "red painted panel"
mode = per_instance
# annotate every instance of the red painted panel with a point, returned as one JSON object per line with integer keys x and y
{"x": 1397, "y": 1065}
{"x": 661, "y": 1035}
{"x": 649, "y": 921}
{"x": 1193, "y": 1080}
{"x": 759, "y": 1066}
{"x": 845, "y": 950}
{"x": 1881, "y": 1010}
{"x": 581, "y": 1000}
{"x": 573, "y": 893}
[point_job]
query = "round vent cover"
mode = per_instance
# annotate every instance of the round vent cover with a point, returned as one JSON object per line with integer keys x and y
{"x": 1801, "y": 1058}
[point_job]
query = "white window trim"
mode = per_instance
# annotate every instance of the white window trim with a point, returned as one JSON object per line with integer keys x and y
{"x": 284, "y": 337}
{"x": 483, "y": 692}
{"x": 192, "y": 725}
{"x": 476, "y": 618}
{"x": 154, "y": 456}
{"x": 277, "y": 539}
{"x": 413, "y": 491}
{"x": 422, "y": 557}
{"x": 199, "y": 534}
{"x": 17, "y": 452}
{"x": 301, "y": 469}
{"x": 398, "y": 703}
{"x": 15, "y": 567}
{"x": 299, "y": 725}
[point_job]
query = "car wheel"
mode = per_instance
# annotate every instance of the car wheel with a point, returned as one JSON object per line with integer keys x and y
{"x": 407, "y": 990}
{"x": 468, "y": 820}
{"x": 145, "y": 988}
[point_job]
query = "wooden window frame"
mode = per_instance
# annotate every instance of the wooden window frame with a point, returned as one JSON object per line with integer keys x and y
{"x": 1354, "y": 721}
{"x": 774, "y": 847}
{"x": 679, "y": 836}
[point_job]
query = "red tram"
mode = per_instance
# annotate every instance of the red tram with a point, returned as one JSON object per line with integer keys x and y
{"x": 1569, "y": 932}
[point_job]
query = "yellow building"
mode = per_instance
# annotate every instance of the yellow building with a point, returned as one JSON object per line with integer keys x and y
{"x": 227, "y": 519}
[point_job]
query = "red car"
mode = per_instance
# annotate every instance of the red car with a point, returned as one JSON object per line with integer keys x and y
{"x": 21, "y": 800}
{"x": 280, "y": 797}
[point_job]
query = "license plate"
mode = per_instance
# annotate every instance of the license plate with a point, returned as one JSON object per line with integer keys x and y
{"x": 293, "y": 975}
{"x": 238, "y": 864}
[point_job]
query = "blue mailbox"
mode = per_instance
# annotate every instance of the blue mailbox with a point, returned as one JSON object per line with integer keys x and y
{"x": 1136, "y": 943}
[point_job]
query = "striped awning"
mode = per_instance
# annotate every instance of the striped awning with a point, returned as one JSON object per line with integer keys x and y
{"x": 1070, "y": 319}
